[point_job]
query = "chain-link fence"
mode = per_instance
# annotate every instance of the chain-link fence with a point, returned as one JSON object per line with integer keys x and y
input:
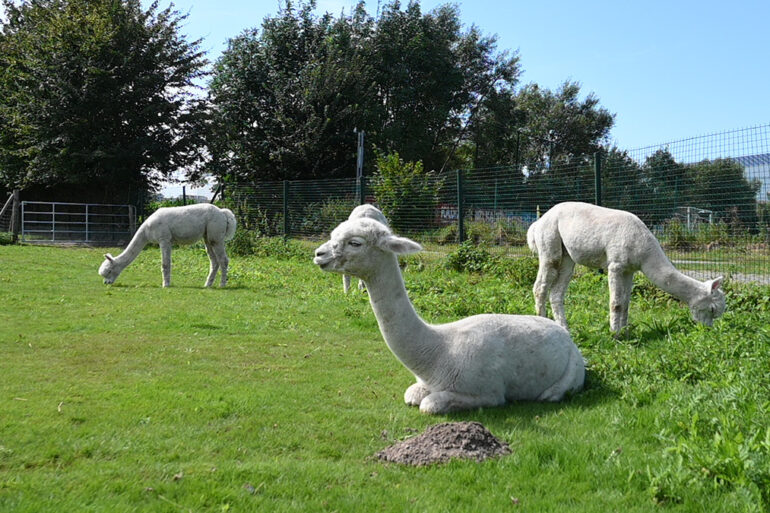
{"x": 706, "y": 199}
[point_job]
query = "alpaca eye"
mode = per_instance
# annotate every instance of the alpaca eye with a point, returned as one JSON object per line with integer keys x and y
{"x": 354, "y": 243}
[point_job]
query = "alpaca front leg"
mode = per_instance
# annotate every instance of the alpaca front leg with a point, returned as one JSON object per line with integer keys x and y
{"x": 345, "y": 283}
{"x": 165, "y": 255}
{"x": 446, "y": 402}
{"x": 416, "y": 393}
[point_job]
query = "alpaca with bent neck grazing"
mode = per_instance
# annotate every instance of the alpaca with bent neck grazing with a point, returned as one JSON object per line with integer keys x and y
{"x": 178, "y": 225}
{"x": 618, "y": 241}
{"x": 479, "y": 361}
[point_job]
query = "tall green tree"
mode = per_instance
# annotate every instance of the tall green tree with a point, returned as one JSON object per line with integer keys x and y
{"x": 286, "y": 97}
{"x": 560, "y": 129}
{"x": 721, "y": 186}
{"x": 97, "y": 96}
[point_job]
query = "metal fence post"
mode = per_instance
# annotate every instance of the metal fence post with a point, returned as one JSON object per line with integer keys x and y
{"x": 460, "y": 208}
{"x": 285, "y": 209}
{"x": 361, "y": 190}
{"x": 598, "y": 178}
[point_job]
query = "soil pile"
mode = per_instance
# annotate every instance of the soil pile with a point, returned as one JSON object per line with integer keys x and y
{"x": 442, "y": 442}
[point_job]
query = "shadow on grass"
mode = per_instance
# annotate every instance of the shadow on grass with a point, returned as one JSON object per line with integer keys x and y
{"x": 123, "y": 285}
{"x": 526, "y": 414}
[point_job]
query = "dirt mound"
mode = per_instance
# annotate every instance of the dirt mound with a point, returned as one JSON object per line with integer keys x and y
{"x": 442, "y": 442}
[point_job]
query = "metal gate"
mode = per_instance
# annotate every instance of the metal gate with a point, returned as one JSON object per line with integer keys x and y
{"x": 83, "y": 223}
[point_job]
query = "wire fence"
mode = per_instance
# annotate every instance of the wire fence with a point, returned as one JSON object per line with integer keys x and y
{"x": 707, "y": 199}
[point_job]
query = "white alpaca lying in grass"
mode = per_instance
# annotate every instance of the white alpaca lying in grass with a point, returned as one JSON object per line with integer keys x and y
{"x": 178, "y": 225}
{"x": 618, "y": 241}
{"x": 360, "y": 211}
{"x": 483, "y": 360}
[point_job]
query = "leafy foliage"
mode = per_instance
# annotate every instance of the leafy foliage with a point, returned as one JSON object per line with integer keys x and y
{"x": 405, "y": 192}
{"x": 96, "y": 95}
{"x": 287, "y": 97}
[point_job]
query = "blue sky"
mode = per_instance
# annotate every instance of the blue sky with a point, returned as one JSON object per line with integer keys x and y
{"x": 669, "y": 70}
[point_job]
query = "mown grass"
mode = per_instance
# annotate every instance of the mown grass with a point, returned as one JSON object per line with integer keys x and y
{"x": 275, "y": 393}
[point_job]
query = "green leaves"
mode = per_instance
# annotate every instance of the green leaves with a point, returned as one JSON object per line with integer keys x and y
{"x": 96, "y": 93}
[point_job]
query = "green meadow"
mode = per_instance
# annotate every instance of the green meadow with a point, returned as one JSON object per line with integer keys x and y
{"x": 275, "y": 393}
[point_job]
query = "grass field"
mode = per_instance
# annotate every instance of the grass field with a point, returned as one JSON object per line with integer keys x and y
{"x": 275, "y": 393}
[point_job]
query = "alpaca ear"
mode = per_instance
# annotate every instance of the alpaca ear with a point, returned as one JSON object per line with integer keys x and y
{"x": 108, "y": 257}
{"x": 399, "y": 245}
{"x": 715, "y": 283}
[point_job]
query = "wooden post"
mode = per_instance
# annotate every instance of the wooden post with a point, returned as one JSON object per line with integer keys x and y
{"x": 15, "y": 215}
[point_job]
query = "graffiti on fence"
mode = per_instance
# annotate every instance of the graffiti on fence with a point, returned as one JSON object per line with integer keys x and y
{"x": 447, "y": 214}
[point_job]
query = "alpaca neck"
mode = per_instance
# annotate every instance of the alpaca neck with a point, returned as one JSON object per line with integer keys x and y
{"x": 409, "y": 338}
{"x": 137, "y": 244}
{"x": 662, "y": 273}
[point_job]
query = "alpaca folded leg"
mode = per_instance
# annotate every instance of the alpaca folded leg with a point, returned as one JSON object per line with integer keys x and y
{"x": 416, "y": 393}
{"x": 446, "y": 401}
{"x": 213, "y": 266}
{"x": 571, "y": 381}
{"x": 559, "y": 290}
{"x": 165, "y": 255}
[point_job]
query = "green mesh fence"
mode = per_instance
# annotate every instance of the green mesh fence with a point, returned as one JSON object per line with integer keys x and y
{"x": 707, "y": 199}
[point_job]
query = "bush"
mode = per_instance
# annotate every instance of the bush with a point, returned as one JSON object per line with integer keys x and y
{"x": 521, "y": 270}
{"x": 502, "y": 232}
{"x": 278, "y": 247}
{"x": 322, "y": 217}
{"x": 242, "y": 244}
{"x": 406, "y": 193}
{"x": 676, "y": 235}
{"x": 151, "y": 207}
{"x": 470, "y": 257}
{"x": 248, "y": 243}
{"x": 6, "y": 238}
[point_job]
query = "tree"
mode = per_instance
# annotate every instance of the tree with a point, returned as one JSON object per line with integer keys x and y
{"x": 668, "y": 185}
{"x": 560, "y": 129}
{"x": 721, "y": 186}
{"x": 97, "y": 96}
{"x": 286, "y": 98}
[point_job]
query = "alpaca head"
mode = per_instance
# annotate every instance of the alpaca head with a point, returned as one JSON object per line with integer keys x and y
{"x": 709, "y": 304}
{"x": 369, "y": 211}
{"x": 358, "y": 247}
{"x": 109, "y": 270}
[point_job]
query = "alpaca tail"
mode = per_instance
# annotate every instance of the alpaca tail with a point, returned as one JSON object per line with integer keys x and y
{"x": 230, "y": 233}
{"x": 531, "y": 238}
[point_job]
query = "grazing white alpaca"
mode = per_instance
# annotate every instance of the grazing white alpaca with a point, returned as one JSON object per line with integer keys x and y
{"x": 178, "y": 225}
{"x": 618, "y": 241}
{"x": 483, "y": 360}
{"x": 360, "y": 211}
